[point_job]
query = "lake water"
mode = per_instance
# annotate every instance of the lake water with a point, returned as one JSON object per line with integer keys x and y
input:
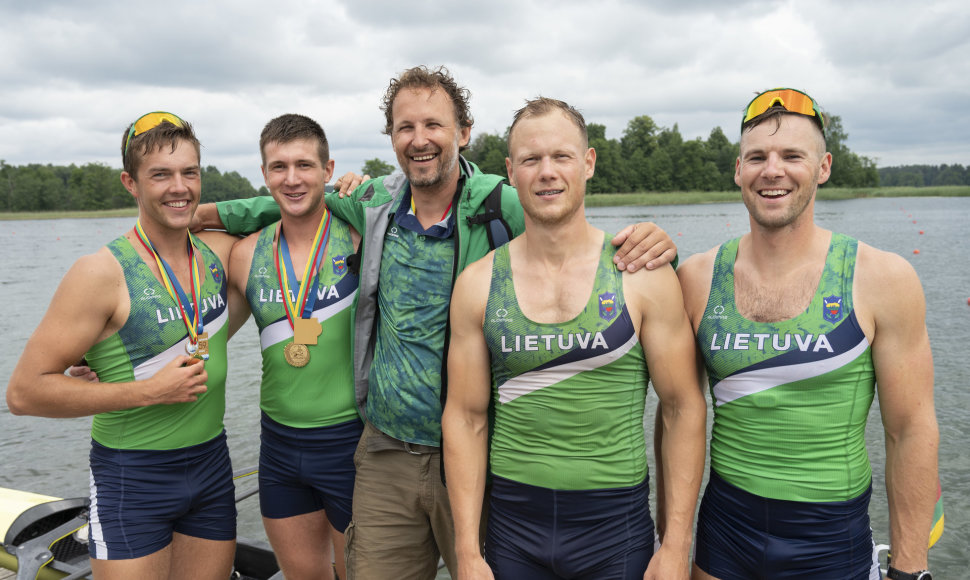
{"x": 50, "y": 456}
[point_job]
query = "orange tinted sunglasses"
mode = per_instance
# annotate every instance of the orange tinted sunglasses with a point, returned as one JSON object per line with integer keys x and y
{"x": 149, "y": 121}
{"x": 792, "y": 100}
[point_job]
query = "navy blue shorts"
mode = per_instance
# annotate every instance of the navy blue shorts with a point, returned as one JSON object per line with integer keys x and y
{"x": 306, "y": 470}
{"x": 741, "y": 536}
{"x": 139, "y": 498}
{"x": 536, "y": 533}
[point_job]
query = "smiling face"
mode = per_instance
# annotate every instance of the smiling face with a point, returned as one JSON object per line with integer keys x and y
{"x": 549, "y": 164}
{"x": 295, "y": 175}
{"x": 779, "y": 170}
{"x": 426, "y": 138}
{"x": 167, "y": 185}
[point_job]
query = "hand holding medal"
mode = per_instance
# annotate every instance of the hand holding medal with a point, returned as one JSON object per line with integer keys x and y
{"x": 306, "y": 329}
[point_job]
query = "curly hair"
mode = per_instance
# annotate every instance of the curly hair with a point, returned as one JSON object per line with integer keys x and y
{"x": 421, "y": 77}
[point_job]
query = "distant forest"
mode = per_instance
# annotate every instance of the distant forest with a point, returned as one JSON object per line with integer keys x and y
{"x": 95, "y": 186}
{"x": 647, "y": 158}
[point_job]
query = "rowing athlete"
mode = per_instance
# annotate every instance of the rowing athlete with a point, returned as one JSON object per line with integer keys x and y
{"x": 797, "y": 326}
{"x": 295, "y": 278}
{"x": 150, "y": 313}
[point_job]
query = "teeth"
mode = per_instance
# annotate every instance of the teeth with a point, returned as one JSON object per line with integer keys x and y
{"x": 773, "y": 192}
{"x": 549, "y": 192}
{"x": 177, "y": 204}
{"x": 423, "y": 158}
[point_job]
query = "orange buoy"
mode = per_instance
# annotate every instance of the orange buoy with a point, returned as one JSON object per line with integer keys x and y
{"x": 915, "y": 251}
{"x": 921, "y": 232}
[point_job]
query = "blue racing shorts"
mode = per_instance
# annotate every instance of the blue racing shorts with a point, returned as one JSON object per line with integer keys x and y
{"x": 535, "y": 533}
{"x": 306, "y": 470}
{"x": 741, "y": 536}
{"x": 139, "y": 498}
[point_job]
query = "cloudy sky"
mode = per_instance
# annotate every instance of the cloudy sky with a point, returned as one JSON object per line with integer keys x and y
{"x": 74, "y": 74}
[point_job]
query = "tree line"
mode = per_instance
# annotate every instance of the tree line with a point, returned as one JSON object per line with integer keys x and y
{"x": 646, "y": 158}
{"x": 95, "y": 186}
{"x": 924, "y": 175}
{"x": 650, "y": 158}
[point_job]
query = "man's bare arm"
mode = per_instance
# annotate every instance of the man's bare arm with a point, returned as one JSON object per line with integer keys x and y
{"x": 89, "y": 305}
{"x": 464, "y": 423}
{"x": 890, "y": 293}
{"x": 668, "y": 342}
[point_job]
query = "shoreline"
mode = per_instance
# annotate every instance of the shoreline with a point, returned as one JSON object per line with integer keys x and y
{"x": 600, "y": 200}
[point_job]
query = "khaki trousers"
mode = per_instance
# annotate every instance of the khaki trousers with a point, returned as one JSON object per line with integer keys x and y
{"x": 401, "y": 520}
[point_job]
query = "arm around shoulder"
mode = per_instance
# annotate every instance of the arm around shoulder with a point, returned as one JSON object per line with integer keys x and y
{"x": 245, "y": 216}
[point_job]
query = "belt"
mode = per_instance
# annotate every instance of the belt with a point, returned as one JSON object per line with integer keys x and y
{"x": 377, "y": 440}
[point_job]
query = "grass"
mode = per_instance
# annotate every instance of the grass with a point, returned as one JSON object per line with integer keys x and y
{"x": 56, "y": 215}
{"x": 826, "y": 193}
{"x": 605, "y": 200}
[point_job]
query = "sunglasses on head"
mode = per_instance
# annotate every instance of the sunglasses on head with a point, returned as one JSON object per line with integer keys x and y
{"x": 148, "y": 122}
{"x": 792, "y": 100}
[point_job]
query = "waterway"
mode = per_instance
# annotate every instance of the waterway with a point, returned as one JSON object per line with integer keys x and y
{"x": 50, "y": 456}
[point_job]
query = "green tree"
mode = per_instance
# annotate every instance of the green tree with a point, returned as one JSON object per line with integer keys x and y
{"x": 217, "y": 186}
{"x": 640, "y": 135}
{"x": 97, "y": 186}
{"x": 848, "y": 169}
{"x": 376, "y": 167}
{"x": 637, "y": 145}
{"x": 488, "y": 151}
{"x": 611, "y": 174}
{"x": 723, "y": 154}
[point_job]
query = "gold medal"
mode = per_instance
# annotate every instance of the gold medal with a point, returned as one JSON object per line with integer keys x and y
{"x": 203, "y": 351}
{"x": 306, "y": 330}
{"x": 296, "y": 354}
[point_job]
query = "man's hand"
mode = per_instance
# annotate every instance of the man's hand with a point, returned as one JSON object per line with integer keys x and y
{"x": 348, "y": 182}
{"x": 666, "y": 565}
{"x": 177, "y": 382}
{"x": 474, "y": 569}
{"x": 206, "y": 218}
{"x": 82, "y": 371}
{"x": 643, "y": 244}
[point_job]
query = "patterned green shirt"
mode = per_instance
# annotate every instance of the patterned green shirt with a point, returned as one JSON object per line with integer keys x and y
{"x": 413, "y": 298}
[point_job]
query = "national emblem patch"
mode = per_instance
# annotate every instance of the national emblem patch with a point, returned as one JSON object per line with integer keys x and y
{"x": 832, "y": 308}
{"x": 216, "y": 272}
{"x": 339, "y": 265}
{"x": 607, "y": 305}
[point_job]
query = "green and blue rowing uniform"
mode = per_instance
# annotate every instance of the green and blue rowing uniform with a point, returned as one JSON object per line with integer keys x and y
{"x": 174, "y": 457}
{"x": 790, "y": 399}
{"x": 310, "y": 425}
{"x": 568, "y": 459}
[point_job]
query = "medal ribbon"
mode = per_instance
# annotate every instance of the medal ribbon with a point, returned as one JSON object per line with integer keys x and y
{"x": 443, "y": 216}
{"x": 305, "y": 297}
{"x": 189, "y": 308}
